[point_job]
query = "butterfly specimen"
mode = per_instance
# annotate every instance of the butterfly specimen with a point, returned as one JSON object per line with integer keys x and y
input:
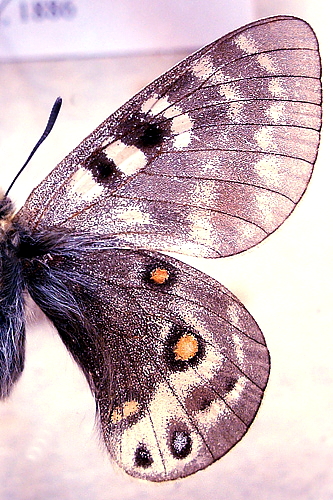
{"x": 207, "y": 160}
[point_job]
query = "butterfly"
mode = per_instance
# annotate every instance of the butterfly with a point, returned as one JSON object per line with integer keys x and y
{"x": 207, "y": 160}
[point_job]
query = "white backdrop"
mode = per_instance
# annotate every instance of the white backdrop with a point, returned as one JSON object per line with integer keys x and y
{"x": 48, "y": 446}
{"x": 31, "y": 29}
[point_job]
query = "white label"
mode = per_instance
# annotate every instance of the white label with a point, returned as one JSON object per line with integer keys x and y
{"x": 44, "y": 29}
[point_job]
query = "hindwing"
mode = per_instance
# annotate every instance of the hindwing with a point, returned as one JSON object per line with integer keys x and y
{"x": 177, "y": 365}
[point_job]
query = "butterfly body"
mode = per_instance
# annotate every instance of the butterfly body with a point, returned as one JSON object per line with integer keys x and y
{"x": 208, "y": 160}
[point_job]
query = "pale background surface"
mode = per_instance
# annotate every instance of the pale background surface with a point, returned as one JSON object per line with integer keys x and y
{"x": 82, "y": 27}
{"x": 49, "y": 448}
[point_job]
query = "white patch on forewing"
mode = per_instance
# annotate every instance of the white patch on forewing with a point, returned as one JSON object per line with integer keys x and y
{"x": 266, "y": 63}
{"x": 203, "y": 193}
{"x": 128, "y": 159}
{"x": 212, "y": 165}
{"x": 181, "y": 126}
{"x": 246, "y": 44}
{"x": 83, "y": 184}
{"x": 149, "y": 103}
{"x": 182, "y": 140}
{"x": 268, "y": 168}
{"x": 132, "y": 216}
{"x": 233, "y": 313}
{"x": 159, "y": 106}
{"x": 276, "y": 88}
{"x": 219, "y": 77}
{"x": 238, "y": 346}
{"x": 236, "y": 392}
{"x": 203, "y": 68}
{"x": 264, "y": 206}
{"x": 188, "y": 247}
{"x": 275, "y": 112}
{"x": 265, "y": 140}
{"x": 229, "y": 92}
{"x": 172, "y": 111}
{"x": 235, "y": 110}
{"x": 201, "y": 230}
{"x": 181, "y": 123}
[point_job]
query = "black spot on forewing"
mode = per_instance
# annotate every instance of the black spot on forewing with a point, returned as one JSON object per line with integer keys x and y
{"x": 151, "y": 136}
{"x": 142, "y": 457}
{"x": 102, "y": 168}
{"x": 145, "y": 134}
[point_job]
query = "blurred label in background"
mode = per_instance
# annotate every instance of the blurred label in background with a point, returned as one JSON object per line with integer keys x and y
{"x": 58, "y": 29}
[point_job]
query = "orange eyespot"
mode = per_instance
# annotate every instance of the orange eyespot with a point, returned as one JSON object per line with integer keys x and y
{"x": 186, "y": 347}
{"x": 159, "y": 276}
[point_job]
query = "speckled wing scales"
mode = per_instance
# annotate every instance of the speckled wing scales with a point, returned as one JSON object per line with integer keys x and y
{"x": 207, "y": 160}
{"x": 184, "y": 365}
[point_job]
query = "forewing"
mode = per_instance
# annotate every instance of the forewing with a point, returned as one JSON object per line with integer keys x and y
{"x": 178, "y": 366}
{"x": 207, "y": 160}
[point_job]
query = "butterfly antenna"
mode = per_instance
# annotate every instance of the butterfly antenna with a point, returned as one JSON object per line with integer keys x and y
{"x": 51, "y": 121}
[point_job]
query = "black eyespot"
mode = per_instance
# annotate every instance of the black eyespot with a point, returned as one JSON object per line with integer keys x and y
{"x": 184, "y": 348}
{"x": 143, "y": 457}
{"x": 181, "y": 444}
{"x": 103, "y": 169}
{"x": 152, "y": 136}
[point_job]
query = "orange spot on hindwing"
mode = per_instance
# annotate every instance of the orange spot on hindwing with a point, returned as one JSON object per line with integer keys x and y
{"x": 159, "y": 276}
{"x": 186, "y": 347}
{"x": 124, "y": 411}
